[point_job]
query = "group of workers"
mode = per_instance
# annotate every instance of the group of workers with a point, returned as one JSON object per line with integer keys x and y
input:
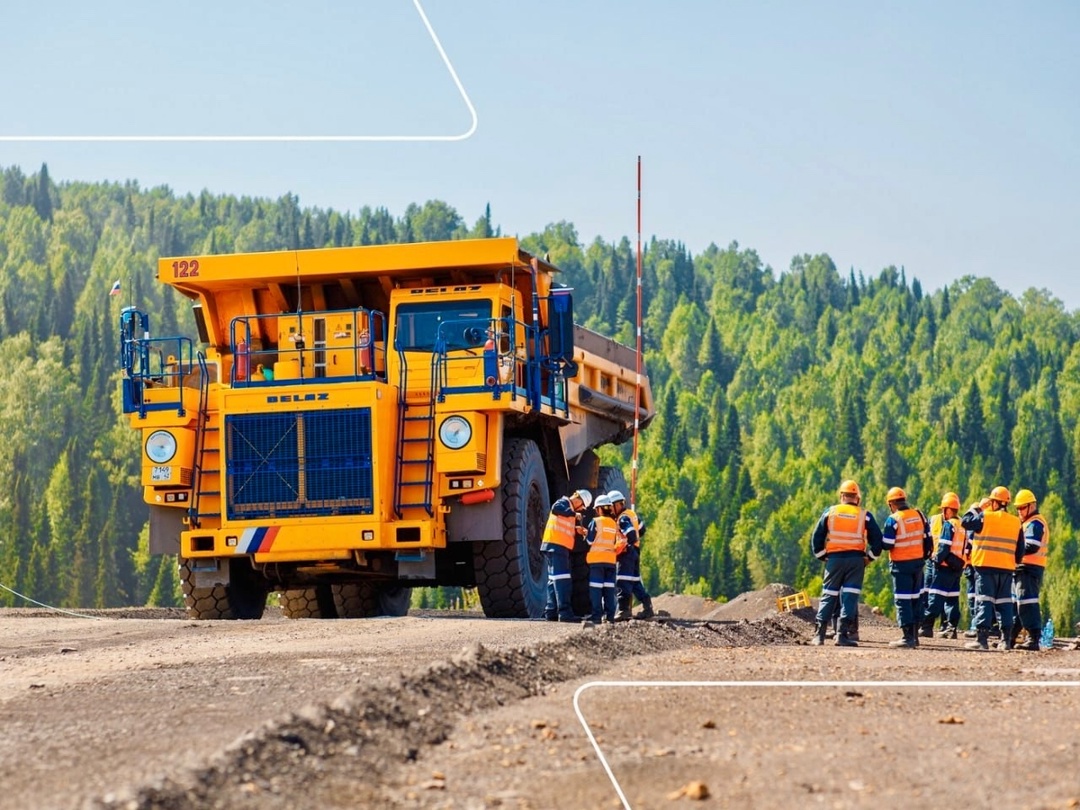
{"x": 613, "y": 539}
{"x": 1002, "y": 555}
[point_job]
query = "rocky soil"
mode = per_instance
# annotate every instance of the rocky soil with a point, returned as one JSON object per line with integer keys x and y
{"x": 709, "y": 706}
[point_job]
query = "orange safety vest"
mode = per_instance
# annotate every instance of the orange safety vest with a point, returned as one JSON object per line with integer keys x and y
{"x": 995, "y": 545}
{"x": 909, "y": 536}
{"x": 1039, "y": 557}
{"x": 630, "y": 513}
{"x": 845, "y": 528}
{"x": 605, "y": 541}
{"x": 561, "y": 531}
{"x": 958, "y": 541}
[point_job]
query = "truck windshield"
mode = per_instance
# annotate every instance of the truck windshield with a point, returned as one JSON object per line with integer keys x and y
{"x": 459, "y": 324}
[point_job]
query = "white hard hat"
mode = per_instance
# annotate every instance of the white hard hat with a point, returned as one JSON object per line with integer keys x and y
{"x": 602, "y": 500}
{"x": 584, "y": 496}
{"x": 615, "y": 496}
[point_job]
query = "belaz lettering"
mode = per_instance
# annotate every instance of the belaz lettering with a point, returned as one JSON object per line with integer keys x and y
{"x": 277, "y": 398}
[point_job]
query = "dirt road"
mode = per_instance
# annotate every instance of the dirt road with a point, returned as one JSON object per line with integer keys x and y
{"x": 450, "y": 710}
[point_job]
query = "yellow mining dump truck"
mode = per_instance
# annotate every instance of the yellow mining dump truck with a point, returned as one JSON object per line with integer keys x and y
{"x": 356, "y": 421}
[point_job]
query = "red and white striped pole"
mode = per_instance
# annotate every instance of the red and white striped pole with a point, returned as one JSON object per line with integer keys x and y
{"x": 637, "y": 390}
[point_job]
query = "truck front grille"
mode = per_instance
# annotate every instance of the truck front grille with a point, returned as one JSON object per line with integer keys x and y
{"x": 298, "y": 464}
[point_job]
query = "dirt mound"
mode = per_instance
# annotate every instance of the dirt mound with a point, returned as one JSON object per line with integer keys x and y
{"x": 751, "y": 605}
{"x": 318, "y": 752}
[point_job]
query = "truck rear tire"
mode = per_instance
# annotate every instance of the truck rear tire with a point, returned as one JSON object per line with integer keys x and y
{"x": 243, "y": 598}
{"x": 511, "y": 577}
{"x": 316, "y": 602}
{"x": 362, "y": 600}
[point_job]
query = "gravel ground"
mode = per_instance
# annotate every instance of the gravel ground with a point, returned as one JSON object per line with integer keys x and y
{"x": 442, "y": 710}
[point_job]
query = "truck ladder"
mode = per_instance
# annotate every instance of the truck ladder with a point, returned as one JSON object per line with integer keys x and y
{"x": 416, "y": 442}
{"x": 207, "y": 483}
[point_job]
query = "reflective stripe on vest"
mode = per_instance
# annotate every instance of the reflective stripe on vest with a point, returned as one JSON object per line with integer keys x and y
{"x": 909, "y": 536}
{"x": 605, "y": 539}
{"x": 561, "y": 530}
{"x": 1039, "y": 557}
{"x": 630, "y": 513}
{"x": 995, "y": 545}
{"x": 846, "y": 528}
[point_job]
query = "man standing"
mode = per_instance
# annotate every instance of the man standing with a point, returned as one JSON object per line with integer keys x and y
{"x": 560, "y": 535}
{"x": 847, "y": 538}
{"x": 906, "y": 536}
{"x": 949, "y": 562}
{"x": 628, "y": 565}
{"x": 997, "y": 545}
{"x": 1029, "y": 573}
{"x": 604, "y": 544}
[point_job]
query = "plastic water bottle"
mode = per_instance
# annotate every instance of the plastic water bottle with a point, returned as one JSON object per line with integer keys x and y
{"x": 1047, "y": 640}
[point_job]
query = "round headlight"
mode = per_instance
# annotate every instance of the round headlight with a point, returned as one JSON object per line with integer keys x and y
{"x": 455, "y": 432}
{"x": 160, "y": 446}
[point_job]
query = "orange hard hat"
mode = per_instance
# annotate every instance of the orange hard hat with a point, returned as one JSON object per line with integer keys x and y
{"x": 1000, "y": 494}
{"x": 1024, "y": 497}
{"x": 849, "y": 487}
{"x": 895, "y": 494}
{"x": 950, "y": 500}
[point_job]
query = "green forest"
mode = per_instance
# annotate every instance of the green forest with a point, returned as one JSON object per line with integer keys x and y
{"x": 771, "y": 387}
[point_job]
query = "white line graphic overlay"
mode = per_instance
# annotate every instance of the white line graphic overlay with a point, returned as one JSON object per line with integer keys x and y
{"x": 282, "y": 138}
{"x": 773, "y": 685}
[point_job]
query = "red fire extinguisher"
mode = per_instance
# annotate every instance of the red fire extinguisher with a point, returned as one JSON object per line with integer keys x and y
{"x": 242, "y": 360}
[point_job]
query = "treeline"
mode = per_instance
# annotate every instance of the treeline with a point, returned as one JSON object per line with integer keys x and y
{"x": 770, "y": 387}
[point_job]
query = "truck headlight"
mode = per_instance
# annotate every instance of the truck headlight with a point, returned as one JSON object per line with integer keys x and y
{"x": 455, "y": 432}
{"x": 160, "y": 446}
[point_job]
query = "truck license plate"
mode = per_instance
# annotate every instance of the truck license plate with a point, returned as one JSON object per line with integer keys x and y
{"x": 160, "y": 473}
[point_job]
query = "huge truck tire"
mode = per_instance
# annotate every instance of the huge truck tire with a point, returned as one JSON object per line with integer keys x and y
{"x": 511, "y": 577}
{"x": 316, "y": 602}
{"x": 361, "y": 600}
{"x": 243, "y": 598}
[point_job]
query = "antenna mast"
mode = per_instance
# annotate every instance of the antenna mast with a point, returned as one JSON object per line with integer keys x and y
{"x": 637, "y": 389}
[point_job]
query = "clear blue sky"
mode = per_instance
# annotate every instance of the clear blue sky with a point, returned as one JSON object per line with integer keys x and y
{"x": 942, "y": 137}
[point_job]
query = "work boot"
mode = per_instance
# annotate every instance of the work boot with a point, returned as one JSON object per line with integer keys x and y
{"x": 1031, "y": 645}
{"x": 819, "y": 635}
{"x": 995, "y": 631}
{"x": 980, "y": 642}
{"x": 844, "y": 639}
{"x": 1008, "y": 639}
{"x": 926, "y": 629}
{"x": 624, "y": 615}
{"x": 948, "y": 631}
{"x": 909, "y": 639}
{"x": 646, "y": 611}
{"x": 972, "y": 633}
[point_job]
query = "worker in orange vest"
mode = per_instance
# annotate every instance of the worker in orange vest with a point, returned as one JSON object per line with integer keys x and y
{"x": 906, "y": 536}
{"x": 604, "y": 543}
{"x": 846, "y": 538}
{"x": 997, "y": 545}
{"x": 1028, "y": 577}
{"x": 560, "y": 537}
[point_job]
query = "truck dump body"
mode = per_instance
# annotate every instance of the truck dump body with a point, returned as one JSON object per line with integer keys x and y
{"x": 357, "y": 419}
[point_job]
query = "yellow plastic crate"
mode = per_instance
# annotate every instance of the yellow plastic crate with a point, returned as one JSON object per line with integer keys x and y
{"x": 795, "y": 600}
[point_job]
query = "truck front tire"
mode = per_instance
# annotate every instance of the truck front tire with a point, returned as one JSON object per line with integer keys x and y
{"x": 511, "y": 577}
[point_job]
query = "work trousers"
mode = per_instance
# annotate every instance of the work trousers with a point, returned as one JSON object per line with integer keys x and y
{"x": 560, "y": 586}
{"x": 944, "y": 600}
{"x": 993, "y": 592}
{"x": 628, "y": 576}
{"x": 602, "y": 591}
{"x": 1027, "y": 583}
{"x": 907, "y": 577}
{"x": 843, "y": 584}
{"x": 929, "y": 572}
{"x": 969, "y": 580}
